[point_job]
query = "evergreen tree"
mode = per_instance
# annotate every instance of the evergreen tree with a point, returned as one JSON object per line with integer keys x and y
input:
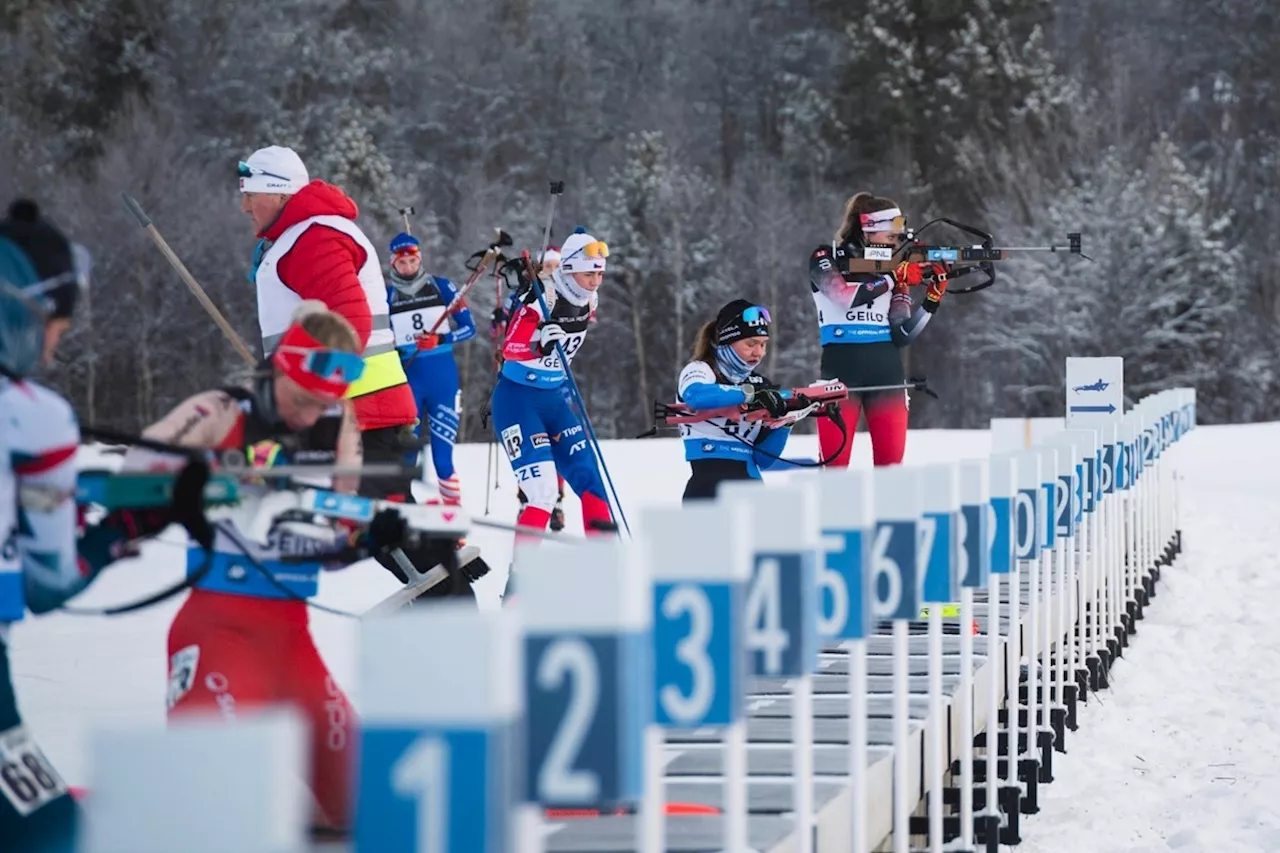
{"x": 923, "y": 75}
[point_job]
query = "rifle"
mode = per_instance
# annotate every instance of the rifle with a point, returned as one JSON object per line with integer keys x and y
{"x": 822, "y": 399}
{"x": 968, "y": 260}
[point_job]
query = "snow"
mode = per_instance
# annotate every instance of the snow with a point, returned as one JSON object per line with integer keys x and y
{"x": 1181, "y": 754}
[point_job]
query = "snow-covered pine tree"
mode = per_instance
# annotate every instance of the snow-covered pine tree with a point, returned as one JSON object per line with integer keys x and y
{"x": 922, "y": 75}
{"x": 660, "y": 220}
{"x": 1165, "y": 292}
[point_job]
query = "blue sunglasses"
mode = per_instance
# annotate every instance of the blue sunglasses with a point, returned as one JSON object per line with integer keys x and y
{"x": 334, "y": 365}
{"x": 756, "y": 314}
{"x": 246, "y": 171}
{"x": 330, "y": 364}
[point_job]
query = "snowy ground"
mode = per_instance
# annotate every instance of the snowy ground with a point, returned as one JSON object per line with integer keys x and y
{"x": 1183, "y": 753}
{"x": 1180, "y": 754}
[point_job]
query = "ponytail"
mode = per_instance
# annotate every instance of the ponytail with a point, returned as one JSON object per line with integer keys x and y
{"x": 704, "y": 344}
{"x": 850, "y": 230}
{"x": 704, "y": 348}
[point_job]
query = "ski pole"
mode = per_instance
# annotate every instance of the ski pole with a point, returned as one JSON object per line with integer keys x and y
{"x": 190, "y": 281}
{"x": 494, "y": 253}
{"x": 488, "y": 473}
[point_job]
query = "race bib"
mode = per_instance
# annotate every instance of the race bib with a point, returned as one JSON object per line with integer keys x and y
{"x": 27, "y": 780}
{"x": 570, "y": 345}
{"x": 182, "y": 673}
{"x": 407, "y": 326}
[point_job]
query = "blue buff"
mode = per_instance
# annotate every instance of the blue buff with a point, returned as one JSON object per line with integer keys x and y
{"x": 731, "y": 364}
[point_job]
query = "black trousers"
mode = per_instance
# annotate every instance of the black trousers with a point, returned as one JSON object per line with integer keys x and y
{"x": 390, "y": 446}
{"x": 708, "y": 474}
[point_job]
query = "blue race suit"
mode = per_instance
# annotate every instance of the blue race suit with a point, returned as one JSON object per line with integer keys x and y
{"x": 536, "y": 420}
{"x": 416, "y": 306}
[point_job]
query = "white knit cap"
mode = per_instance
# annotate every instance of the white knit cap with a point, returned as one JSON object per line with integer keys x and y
{"x": 274, "y": 169}
{"x": 573, "y": 257}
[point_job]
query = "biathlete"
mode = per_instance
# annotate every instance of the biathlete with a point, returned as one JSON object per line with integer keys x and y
{"x": 534, "y": 418}
{"x": 418, "y": 301}
{"x": 497, "y": 332}
{"x": 865, "y": 319}
{"x": 46, "y": 557}
{"x": 722, "y": 373}
{"x": 241, "y": 639}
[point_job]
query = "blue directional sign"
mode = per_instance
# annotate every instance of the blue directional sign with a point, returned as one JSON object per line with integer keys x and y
{"x": 440, "y": 740}
{"x": 588, "y": 673}
{"x": 698, "y": 610}
{"x": 1094, "y": 391}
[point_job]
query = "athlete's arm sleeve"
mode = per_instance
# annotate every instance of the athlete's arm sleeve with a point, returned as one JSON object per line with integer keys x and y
{"x": 906, "y": 323}
{"x": 699, "y": 390}
{"x": 824, "y": 278}
{"x": 324, "y": 264}
{"x": 518, "y": 345}
{"x": 462, "y": 326}
{"x": 202, "y": 420}
{"x": 768, "y": 449}
{"x": 350, "y": 451}
{"x": 43, "y": 440}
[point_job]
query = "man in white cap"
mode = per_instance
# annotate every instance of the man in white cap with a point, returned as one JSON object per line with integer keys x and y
{"x": 311, "y": 248}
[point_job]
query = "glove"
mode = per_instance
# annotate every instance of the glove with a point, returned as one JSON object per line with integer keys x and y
{"x": 550, "y": 335}
{"x": 387, "y": 530}
{"x": 427, "y": 341}
{"x": 937, "y": 286}
{"x": 908, "y": 274}
{"x": 771, "y": 401}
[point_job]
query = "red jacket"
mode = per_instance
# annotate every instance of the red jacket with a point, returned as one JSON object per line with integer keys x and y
{"x": 323, "y": 265}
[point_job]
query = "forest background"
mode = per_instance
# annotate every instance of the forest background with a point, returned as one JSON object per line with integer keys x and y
{"x": 711, "y": 143}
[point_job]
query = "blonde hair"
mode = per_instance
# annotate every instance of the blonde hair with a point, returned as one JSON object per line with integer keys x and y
{"x": 858, "y": 204}
{"x": 331, "y": 329}
{"x": 704, "y": 349}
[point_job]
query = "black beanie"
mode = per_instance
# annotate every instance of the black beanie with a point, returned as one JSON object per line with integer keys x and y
{"x": 732, "y": 326}
{"x": 48, "y": 251}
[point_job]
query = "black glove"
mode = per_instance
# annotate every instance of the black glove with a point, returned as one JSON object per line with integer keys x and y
{"x": 771, "y": 401}
{"x": 186, "y": 507}
{"x": 386, "y": 531}
{"x": 187, "y": 503}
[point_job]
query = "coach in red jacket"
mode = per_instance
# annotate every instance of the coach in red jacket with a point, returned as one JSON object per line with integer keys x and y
{"x": 311, "y": 248}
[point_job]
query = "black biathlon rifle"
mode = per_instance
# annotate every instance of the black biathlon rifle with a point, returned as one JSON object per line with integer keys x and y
{"x": 820, "y": 398}
{"x": 965, "y": 260}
